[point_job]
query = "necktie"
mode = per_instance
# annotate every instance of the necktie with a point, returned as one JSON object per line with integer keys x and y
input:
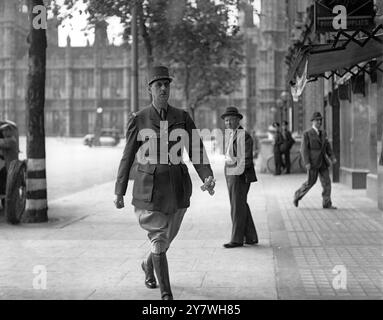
{"x": 163, "y": 114}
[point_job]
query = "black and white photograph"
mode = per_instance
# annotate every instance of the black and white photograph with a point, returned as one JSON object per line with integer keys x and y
{"x": 214, "y": 152}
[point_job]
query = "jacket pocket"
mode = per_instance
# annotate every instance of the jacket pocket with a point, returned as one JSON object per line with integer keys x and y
{"x": 144, "y": 183}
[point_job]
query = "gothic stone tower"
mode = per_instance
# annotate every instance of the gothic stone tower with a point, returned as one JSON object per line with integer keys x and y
{"x": 271, "y": 68}
{"x": 13, "y": 31}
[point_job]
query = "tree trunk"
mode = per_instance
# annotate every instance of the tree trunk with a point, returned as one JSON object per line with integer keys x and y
{"x": 192, "y": 112}
{"x": 145, "y": 35}
{"x": 36, "y": 203}
{"x": 189, "y": 107}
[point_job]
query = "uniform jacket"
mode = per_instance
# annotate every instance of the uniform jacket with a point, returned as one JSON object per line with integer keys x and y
{"x": 9, "y": 150}
{"x": 159, "y": 186}
{"x": 315, "y": 150}
{"x": 249, "y": 172}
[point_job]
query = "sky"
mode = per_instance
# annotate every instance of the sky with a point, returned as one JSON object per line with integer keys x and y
{"x": 76, "y": 28}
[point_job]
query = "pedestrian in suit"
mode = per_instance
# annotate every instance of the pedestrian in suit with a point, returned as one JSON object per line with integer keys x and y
{"x": 316, "y": 151}
{"x": 277, "y": 144}
{"x": 286, "y": 146}
{"x": 162, "y": 185}
{"x": 238, "y": 181}
{"x": 255, "y": 144}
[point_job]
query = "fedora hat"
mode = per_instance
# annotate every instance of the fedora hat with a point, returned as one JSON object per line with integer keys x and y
{"x": 159, "y": 73}
{"x": 231, "y": 111}
{"x": 316, "y": 115}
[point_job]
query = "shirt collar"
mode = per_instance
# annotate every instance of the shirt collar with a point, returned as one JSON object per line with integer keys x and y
{"x": 158, "y": 109}
{"x": 316, "y": 130}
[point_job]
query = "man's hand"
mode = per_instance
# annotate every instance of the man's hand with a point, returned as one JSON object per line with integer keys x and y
{"x": 308, "y": 166}
{"x": 209, "y": 185}
{"x": 119, "y": 202}
{"x": 334, "y": 161}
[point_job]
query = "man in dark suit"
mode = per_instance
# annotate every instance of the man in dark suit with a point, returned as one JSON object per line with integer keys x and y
{"x": 286, "y": 146}
{"x": 316, "y": 150}
{"x": 162, "y": 185}
{"x": 277, "y": 143}
{"x": 239, "y": 173}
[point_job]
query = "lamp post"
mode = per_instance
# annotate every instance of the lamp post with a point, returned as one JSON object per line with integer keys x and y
{"x": 286, "y": 111}
{"x": 98, "y": 126}
{"x": 279, "y": 115}
{"x": 134, "y": 84}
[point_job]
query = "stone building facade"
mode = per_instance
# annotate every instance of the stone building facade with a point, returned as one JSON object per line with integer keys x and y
{"x": 271, "y": 68}
{"x": 81, "y": 79}
{"x": 351, "y": 106}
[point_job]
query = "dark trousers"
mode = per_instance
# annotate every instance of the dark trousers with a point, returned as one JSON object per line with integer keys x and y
{"x": 3, "y": 180}
{"x": 243, "y": 228}
{"x": 286, "y": 162}
{"x": 312, "y": 177}
{"x": 278, "y": 161}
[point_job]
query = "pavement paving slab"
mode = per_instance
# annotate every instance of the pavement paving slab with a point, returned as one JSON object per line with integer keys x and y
{"x": 90, "y": 250}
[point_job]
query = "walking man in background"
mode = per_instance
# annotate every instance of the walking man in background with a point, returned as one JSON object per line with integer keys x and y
{"x": 243, "y": 229}
{"x": 316, "y": 151}
{"x": 286, "y": 146}
{"x": 161, "y": 191}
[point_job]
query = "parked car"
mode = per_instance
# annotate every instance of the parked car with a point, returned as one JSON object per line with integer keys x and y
{"x": 12, "y": 179}
{"x": 108, "y": 137}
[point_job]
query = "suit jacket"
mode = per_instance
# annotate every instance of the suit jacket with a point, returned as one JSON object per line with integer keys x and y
{"x": 160, "y": 186}
{"x": 288, "y": 142}
{"x": 316, "y": 150}
{"x": 249, "y": 172}
{"x": 278, "y": 142}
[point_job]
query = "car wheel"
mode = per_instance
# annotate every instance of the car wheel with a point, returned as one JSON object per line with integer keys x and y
{"x": 15, "y": 192}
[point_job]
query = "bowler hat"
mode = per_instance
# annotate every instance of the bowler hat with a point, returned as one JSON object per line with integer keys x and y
{"x": 231, "y": 111}
{"x": 159, "y": 73}
{"x": 316, "y": 115}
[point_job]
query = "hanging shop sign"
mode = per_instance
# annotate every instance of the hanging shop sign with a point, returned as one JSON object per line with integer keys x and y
{"x": 346, "y": 15}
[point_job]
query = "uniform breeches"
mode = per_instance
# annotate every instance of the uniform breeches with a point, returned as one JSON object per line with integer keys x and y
{"x": 162, "y": 228}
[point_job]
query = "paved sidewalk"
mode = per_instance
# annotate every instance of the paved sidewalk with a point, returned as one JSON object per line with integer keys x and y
{"x": 92, "y": 251}
{"x": 324, "y": 254}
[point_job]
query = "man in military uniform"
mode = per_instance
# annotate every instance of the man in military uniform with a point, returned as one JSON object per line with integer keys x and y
{"x": 317, "y": 155}
{"x": 162, "y": 185}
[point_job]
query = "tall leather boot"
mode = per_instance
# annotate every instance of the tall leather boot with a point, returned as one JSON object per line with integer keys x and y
{"x": 160, "y": 263}
{"x": 147, "y": 266}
